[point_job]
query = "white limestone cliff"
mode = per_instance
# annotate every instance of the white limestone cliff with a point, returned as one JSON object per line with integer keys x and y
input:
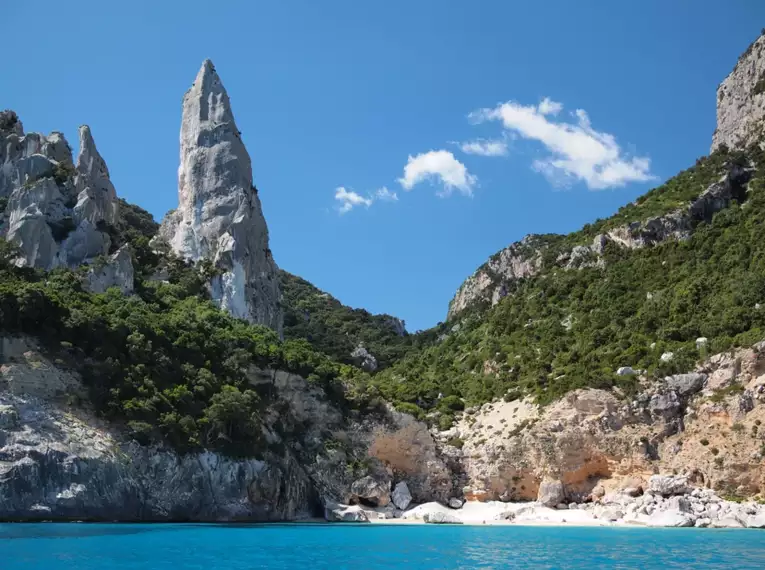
{"x": 56, "y": 213}
{"x": 115, "y": 271}
{"x": 96, "y": 197}
{"x": 219, "y": 216}
{"x": 741, "y": 101}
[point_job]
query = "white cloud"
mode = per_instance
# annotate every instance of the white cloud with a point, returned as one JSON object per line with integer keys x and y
{"x": 549, "y": 107}
{"x": 485, "y": 147}
{"x": 438, "y": 164}
{"x": 577, "y": 151}
{"x": 386, "y": 195}
{"x": 349, "y": 199}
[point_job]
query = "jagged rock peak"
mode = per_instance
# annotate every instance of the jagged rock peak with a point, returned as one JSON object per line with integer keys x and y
{"x": 219, "y": 215}
{"x": 97, "y": 198}
{"x": 207, "y": 101}
{"x": 489, "y": 282}
{"x": 10, "y": 123}
{"x": 54, "y": 211}
{"x": 741, "y": 100}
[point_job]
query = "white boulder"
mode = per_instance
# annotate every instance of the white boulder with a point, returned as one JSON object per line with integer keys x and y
{"x": 401, "y": 495}
{"x": 343, "y": 513}
{"x": 456, "y": 503}
{"x": 440, "y": 518}
{"x": 668, "y": 485}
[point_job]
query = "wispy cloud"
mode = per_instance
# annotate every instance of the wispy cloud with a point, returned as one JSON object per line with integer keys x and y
{"x": 549, "y": 107}
{"x": 386, "y": 195}
{"x": 438, "y": 165}
{"x": 484, "y": 147}
{"x": 577, "y": 151}
{"x": 348, "y": 200}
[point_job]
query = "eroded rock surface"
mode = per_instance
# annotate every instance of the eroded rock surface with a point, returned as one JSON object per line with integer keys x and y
{"x": 741, "y": 101}
{"x": 489, "y": 282}
{"x": 114, "y": 271}
{"x": 492, "y": 281}
{"x": 705, "y": 426}
{"x": 57, "y": 214}
{"x": 219, "y": 216}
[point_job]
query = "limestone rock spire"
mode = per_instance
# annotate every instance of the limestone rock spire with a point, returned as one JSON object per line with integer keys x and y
{"x": 219, "y": 215}
{"x": 96, "y": 198}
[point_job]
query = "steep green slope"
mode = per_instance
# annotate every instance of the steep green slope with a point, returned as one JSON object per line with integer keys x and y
{"x": 337, "y": 330}
{"x": 166, "y": 362}
{"x": 569, "y": 328}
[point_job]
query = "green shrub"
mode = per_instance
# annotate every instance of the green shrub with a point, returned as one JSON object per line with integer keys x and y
{"x": 411, "y": 409}
{"x": 456, "y": 442}
{"x": 451, "y": 403}
{"x": 445, "y": 422}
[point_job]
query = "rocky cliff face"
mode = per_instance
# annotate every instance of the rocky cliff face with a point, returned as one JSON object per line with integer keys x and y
{"x": 493, "y": 280}
{"x": 705, "y": 424}
{"x": 741, "y": 101}
{"x": 59, "y": 461}
{"x": 489, "y": 283}
{"x": 219, "y": 217}
{"x": 57, "y": 214}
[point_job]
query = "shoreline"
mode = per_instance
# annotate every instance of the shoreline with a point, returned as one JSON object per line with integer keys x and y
{"x": 698, "y": 509}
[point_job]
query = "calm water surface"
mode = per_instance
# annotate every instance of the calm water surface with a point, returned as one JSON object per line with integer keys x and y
{"x": 313, "y": 547}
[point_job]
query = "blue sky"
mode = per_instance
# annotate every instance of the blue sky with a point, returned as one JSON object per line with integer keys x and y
{"x": 340, "y": 94}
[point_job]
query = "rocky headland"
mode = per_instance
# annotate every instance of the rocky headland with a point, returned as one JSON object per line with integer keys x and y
{"x": 274, "y": 433}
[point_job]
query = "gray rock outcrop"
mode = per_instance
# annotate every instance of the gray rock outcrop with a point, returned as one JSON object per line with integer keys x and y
{"x": 401, "y": 496}
{"x": 686, "y": 384}
{"x": 492, "y": 281}
{"x": 668, "y": 485}
{"x": 489, "y": 282}
{"x": 219, "y": 216}
{"x": 96, "y": 196}
{"x": 57, "y": 215}
{"x": 456, "y": 503}
{"x": 364, "y": 359}
{"x": 114, "y": 271}
{"x": 551, "y": 493}
{"x": 741, "y": 101}
{"x": 398, "y": 325}
{"x": 372, "y": 490}
{"x": 61, "y": 463}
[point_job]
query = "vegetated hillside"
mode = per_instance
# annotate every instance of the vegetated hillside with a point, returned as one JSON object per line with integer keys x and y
{"x": 571, "y": 327}
{"x": 166, "y": 362}
{"x": 336, "y": 329}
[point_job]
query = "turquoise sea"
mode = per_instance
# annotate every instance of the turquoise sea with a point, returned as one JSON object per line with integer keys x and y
{"x": 315, "y": 547}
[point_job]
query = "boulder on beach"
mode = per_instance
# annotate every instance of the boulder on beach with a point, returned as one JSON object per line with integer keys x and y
{"x": 668, "y": 485}
{"x": 343, "y": 513}
{"x": 551, "y": 492}
{"x": 372, "y": 491}
{"x": 401, "y": 495}
{"x": 440, "y": 518}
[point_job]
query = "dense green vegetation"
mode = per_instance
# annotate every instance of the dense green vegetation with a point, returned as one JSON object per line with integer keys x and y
{"x": 566, "y": 329}
{"x": 166, "y": 362}
{"x": 335, "y": 329}
{"x": 174, "y": 368}
{"x": 670, "y": 196}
